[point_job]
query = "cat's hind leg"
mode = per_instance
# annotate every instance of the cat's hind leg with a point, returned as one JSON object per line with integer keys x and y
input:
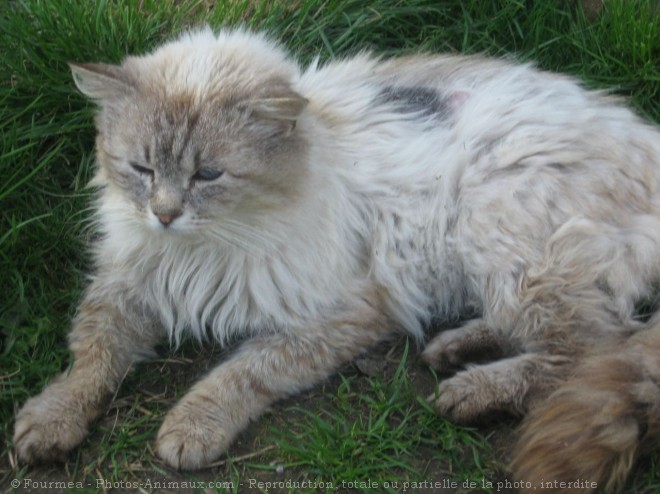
{"x": 555, "y": 321}
{"x": 105, "y": 341}
{"x": 509, "y": 386}
{"x": 474, "y": 342}
{"x": 205, "y": 421}
{"x": 580, "y": 293}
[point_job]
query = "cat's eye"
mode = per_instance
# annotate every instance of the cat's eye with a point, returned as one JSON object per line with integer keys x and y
{"x": 142, "y": 170}
{"x": 207, "y": 174}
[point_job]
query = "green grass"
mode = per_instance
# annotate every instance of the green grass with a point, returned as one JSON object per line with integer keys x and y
{"x": 360, "y": 428}
{"x": 372, "y": 434}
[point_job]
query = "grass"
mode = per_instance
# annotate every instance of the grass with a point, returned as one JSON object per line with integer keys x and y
{"x": 356, "y": 428}
{"x": 372, "y": 432}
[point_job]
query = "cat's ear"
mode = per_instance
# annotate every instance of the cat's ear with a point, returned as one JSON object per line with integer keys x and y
{"x": 100, "y": 81}
{"x": 279, "y": 108}
{"x": 277, "y": 114}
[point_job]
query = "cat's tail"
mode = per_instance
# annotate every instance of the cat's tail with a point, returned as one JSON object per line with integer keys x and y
{"x": 588, "y": 433}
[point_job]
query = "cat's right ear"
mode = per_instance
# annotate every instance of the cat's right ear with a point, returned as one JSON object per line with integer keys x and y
{"x": 277, "y": 115}
{"x": 100, "y": 81}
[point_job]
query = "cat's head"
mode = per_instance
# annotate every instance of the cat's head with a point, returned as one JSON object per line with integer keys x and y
{"x": 199, "y": 132}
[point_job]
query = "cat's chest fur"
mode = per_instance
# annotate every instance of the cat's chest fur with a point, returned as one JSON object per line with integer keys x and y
{"x": 212, "y": 291}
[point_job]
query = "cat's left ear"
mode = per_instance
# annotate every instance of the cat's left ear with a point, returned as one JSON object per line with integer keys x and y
{"x": 277, "y": 114}
{"x": 100, "y": 81}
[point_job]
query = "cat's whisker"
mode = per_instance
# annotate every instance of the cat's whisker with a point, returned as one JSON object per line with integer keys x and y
{"x": 262, "y": 237}
{"x": 230, "y": 238}
{"x": 240, "y": 234}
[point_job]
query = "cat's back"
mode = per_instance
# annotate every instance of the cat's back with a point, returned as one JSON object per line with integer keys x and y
{"x": 477, "y": 115}
{"x": 479, "y": 92}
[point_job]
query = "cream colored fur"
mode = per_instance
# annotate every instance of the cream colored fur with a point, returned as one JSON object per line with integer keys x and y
{"x": 319, "y": 210}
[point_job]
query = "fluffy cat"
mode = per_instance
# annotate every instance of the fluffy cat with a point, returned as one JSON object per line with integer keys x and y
{"x": 319, "y": 211}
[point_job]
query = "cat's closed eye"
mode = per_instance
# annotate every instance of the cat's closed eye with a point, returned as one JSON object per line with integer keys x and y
{"x": 207, "y": 174}
{"x": 142, "y": 170}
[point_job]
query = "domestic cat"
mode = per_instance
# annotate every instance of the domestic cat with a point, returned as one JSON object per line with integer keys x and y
{"x": 318, "y": 211}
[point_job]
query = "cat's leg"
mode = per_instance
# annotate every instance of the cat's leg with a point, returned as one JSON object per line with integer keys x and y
{"x": 205, "y": 422}
{"x": 554, "y": 321}
{"x": 547, "y": 328}
{"x": 106, "y": 339}
{"x": 509, "y": 385}
{"x": 473, "y": 342}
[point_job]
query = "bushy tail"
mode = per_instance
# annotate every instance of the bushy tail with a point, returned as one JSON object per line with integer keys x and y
{"x": 589, "y": 432}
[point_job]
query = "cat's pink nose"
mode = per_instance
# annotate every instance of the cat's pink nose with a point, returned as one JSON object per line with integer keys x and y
{"x": 167, "y": 218}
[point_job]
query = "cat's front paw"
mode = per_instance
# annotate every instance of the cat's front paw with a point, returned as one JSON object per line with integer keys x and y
{"x": 49, "y": 426}
{"x": 193, "y": 434}
{"x": 464, "y": 398}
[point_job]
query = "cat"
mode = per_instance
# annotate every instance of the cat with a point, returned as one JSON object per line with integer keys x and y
{"x": 317, "y": 212}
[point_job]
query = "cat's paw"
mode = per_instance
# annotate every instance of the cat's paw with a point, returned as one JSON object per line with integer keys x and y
{"x": 49, "y": 426}
{"x": 453, "y": 348}
{"x": 444, "y": 352}
{"x": 499, "y": 387}
{"x": 477, "y": 394}
{"x": 193, "y": 434}
{"x": 467, "y": 397}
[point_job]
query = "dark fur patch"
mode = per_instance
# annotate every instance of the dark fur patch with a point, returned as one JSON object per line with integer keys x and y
{"x": 422, "y": 101}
